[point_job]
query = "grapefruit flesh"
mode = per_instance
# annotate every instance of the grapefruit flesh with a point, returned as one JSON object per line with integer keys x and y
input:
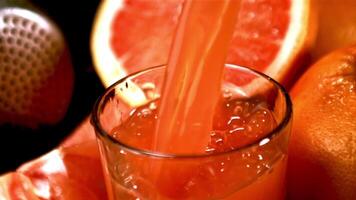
{"x": 131, "y": 35}
{"x": 72, "y": 171}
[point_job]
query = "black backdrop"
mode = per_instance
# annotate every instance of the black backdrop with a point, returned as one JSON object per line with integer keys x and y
{"x": 75, "y": 18}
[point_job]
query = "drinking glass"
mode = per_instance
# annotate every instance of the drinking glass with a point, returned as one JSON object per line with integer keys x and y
{"x": 253, "y": 171}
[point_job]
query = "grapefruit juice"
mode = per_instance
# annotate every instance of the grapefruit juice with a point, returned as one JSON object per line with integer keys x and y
{"x": 246, "y": 153}
{"x": 193, "y": 75}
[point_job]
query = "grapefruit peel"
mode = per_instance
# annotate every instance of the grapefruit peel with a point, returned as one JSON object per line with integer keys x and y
{"x": 298, "y": 37}
{"x": 110, "y": 70}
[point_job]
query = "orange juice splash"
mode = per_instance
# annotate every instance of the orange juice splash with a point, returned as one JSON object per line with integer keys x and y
{"x": 193, "y": 76}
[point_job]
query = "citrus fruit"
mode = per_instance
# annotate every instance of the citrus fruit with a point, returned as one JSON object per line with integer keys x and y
{"x": 323, "y": 141}
{"x": 16, "y": 186}
{"x": 336, "y": 26}
{"x": 36, "y": 75}
{"x": 69, "y": 170}
{"x": 72, "y": 171}
{"x": 128, "y": 36}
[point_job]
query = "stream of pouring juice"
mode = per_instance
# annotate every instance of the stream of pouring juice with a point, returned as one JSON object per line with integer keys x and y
{"x": 194, "y": 73}
{"x": 195, "y": 119}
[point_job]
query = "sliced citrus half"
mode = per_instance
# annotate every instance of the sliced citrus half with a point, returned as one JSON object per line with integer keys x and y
{"x": 131, "y": 35}
{"x": 71, "y": 171}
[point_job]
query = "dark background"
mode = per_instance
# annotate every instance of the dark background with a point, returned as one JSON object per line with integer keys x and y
{"x": 75, "y": 18}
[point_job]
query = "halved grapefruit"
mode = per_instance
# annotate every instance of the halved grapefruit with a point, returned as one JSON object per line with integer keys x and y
{"x": 72, "y": 171}
{"x": 270, "y": 36}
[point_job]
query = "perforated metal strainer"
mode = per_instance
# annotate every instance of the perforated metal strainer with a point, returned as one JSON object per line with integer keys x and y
{"x": 30, "y": 46}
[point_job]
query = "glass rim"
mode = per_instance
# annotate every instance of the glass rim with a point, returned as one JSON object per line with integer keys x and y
{"x": 94, "y": 120}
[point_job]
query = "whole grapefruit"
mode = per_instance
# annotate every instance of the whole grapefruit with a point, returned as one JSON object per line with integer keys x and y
{"x": 323, "y": 141}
